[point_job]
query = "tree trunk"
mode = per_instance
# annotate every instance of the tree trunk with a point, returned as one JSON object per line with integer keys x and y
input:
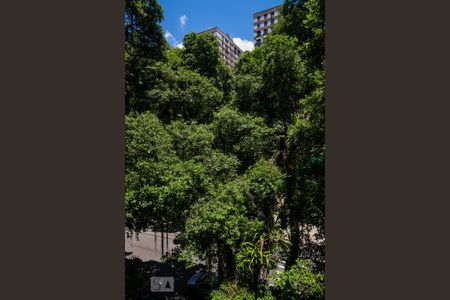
{"x": 156, "y": 237}
{"x": 162, "y": 238}
{"x": 167, "y": 237}
{"x": 229, "y": 261}
{"x": 294, "y": 250}
{"x": 209, "y": 261}
{"x": 220, "y": 261}
{"x": 255, "y": 279}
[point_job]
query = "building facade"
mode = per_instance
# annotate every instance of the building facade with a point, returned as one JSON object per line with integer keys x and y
{"x": 230, "y": 52}
{"x": 263, "y": 23}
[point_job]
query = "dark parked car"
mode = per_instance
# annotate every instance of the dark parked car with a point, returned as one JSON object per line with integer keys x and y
{"x": 200, "y": 284}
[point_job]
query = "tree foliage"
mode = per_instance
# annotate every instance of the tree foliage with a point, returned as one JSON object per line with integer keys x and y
{"x": 168, "y": 170}
{"x": 148, "y": 154}
{"x": 306, "y": 140}
{"x": 300, "y": 282}
{"x": 201, "y": 54}
{"x": 144, "y": 45}
{"x": 233, "y": 160}
{"x": 232, "y": 214}
{"x": 233, "y": 290}
{"x": 182, "y": 94}
{"x": 305, "y": 20}
{"x": 243, "y": 135}
{"x": 191, "y": 140}
{"x": 271, "y": 80}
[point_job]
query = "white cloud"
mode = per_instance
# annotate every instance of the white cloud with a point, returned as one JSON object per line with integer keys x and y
{"x": 244, "y": 44}
{"x": 169, "y": 36}
{"x": 172, "y": 40}
{"x": 183, "y": 20}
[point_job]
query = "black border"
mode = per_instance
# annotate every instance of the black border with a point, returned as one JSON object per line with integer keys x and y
{"x": 387, "y": 149}
{"x": 62, "y": 150}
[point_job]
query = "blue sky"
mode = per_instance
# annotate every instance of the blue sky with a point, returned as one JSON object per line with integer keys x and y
{"x": 234, "y": 17}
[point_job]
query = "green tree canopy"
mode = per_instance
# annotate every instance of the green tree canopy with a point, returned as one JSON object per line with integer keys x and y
{"x": 181, "y": 94}
{"x": 271, "y": 79}
{"x": 217, "y": 224}
{"x": 191, "y": 140}
{"x": 264, "y": 189}
{"x": 305, "y": 20}
{"x": 148, "y": 154}
{"x": 300, "y": 282}
{"x": 234, "y": 160}
{"x": 144, "y": 44}
{"x": 169, "y": 170}
{"x": 243, "y": 135}
{"x": 201, "y": 54}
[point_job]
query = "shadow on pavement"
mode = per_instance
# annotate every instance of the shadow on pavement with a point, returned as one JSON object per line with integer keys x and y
{"x": 138, "y": 274}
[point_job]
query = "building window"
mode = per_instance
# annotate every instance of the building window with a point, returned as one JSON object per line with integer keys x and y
{"x": 258, "y": 18}
{"x": 272, "y": 14}
{"x": 258, "y": 33}
{"x": 265, "y": 23}
{"x": 265, "y": 31}
{"x": 265, "y": 16}
{"x": 272, "y": 22}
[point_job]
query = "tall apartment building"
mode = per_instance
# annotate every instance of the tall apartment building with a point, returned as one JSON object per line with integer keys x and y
{"x": 263, "y": 23}
{"x": 229, "y": 50}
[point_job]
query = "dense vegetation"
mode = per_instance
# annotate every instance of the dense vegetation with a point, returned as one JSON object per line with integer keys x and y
{"x": 234, "y": 160}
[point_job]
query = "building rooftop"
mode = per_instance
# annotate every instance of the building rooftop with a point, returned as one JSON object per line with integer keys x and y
{"x": 268, "y": 9}
{"x": 223, "y": 33}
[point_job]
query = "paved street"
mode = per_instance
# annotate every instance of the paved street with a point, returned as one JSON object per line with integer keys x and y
{"x": 148, "y": 247}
